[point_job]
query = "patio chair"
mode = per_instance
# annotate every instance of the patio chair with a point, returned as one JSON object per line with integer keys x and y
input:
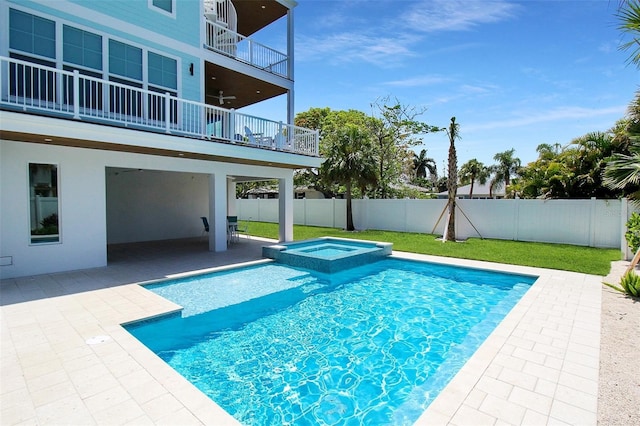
{"x": 232, "y": 228}
{"x": 205, "y": 223}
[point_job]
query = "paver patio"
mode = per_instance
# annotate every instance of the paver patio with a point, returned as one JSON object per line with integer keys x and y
{"x": 66, "y": 359}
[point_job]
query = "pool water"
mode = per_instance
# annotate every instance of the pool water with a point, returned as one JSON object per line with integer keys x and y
{"x": 371, "y": 345}
{"x": 327, "y": 250}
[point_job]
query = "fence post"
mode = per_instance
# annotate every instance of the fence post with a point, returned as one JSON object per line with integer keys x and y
{"x": 304, "y": 211}
{"x": 624, "y": 213}
{"x": 76, "y": 94}
{"x": 333, "y": 212}
{"x": 516, "y": 218}
{"x": 592, "y": 222}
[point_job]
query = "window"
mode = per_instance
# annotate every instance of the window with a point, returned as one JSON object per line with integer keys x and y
{"x": 43, "y": 203}
{"x": 163, "y": 75}
{"x": 32, "y": 34}
{"x": 82, "y": 48}
{"x": 125, "y": 60}
{"x": 166, "y": 5}
{"x": 163, "y": 71}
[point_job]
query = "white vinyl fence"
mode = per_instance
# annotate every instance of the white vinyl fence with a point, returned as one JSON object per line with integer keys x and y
{"x": 594, "y": 223}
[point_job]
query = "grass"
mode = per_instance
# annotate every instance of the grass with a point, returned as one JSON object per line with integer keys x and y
{"x": 566, "y": 257}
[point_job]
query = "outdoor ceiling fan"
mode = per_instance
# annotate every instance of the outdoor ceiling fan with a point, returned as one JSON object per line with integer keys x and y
{"x": 222, "y": 98}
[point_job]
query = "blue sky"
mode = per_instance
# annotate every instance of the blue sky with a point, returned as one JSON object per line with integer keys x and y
{"x": 515, "y": 74}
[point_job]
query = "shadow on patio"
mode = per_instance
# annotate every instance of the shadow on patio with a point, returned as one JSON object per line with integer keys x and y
{"x": 132, "y": 263}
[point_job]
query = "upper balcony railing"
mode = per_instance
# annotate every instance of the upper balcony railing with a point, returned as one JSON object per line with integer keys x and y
{"x": 34, "y": 88}
{"x": 222, "y": 40}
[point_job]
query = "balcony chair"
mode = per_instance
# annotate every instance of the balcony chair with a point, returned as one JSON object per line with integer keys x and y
{"x": 258, "y": 139}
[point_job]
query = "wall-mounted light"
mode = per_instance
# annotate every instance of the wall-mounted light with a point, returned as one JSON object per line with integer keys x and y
{"x": 191, "y": 68}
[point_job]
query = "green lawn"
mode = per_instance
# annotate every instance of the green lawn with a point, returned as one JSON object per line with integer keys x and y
{"x": 543, "y": 255}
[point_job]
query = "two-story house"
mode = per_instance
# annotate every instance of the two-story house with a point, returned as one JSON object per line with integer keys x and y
{"x": 122, "y": 121}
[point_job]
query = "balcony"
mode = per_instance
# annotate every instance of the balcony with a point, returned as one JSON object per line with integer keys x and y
{"x": 226, "y": 22}
{"x": 230, "y": 43}
{"x": 37, "y": 89}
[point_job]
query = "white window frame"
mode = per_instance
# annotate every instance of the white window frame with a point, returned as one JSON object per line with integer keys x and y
{"x": 171, "y": 14}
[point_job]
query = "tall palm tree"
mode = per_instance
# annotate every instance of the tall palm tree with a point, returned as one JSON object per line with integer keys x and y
{"x": 452, "y": 179}
{"x": 350, "y": 162}
{"x": 423, "y": 164}
{"x": 629, "y": 16}
{"x": 507, "y": 166}
{"x": 472, "y": 171}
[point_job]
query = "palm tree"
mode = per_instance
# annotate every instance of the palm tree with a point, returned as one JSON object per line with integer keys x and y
{"x": 422, "y": 164}
{"x": 452, "y": 179}
{"x": 507, "y": 165}
{"x": 472, "y": 171}
{"x": 350, "y": 162}
{"x": 623, "y": 173}
{"x": 629, "y": 16}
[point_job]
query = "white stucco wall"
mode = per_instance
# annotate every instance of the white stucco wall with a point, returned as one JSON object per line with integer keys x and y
{"x": 152, "y": 205}
{"x": 82, "y": 210}
{"x": 98, "y": 207}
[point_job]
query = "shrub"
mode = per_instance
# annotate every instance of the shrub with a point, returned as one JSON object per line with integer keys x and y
{"x": 633, "y": 232}
{"x": 630, "y": 282}
{"x": 48, "y": 226}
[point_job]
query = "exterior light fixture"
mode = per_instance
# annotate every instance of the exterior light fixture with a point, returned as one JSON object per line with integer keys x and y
{"x": 191, "y": 68}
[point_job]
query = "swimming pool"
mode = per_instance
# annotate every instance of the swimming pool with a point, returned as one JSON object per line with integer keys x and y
{"x": 374, "y": 344}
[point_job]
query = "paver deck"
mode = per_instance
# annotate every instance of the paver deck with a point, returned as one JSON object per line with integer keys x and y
{"x": 65, "y": 359}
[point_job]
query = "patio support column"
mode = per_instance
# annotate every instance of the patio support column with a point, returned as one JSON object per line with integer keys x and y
{"x": 232, "y": 205}
{"x": 285, "y": 208}
{"x": 218, "y": 212}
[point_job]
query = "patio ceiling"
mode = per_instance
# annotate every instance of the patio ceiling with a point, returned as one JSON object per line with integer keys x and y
{"x": 247, "y": 90}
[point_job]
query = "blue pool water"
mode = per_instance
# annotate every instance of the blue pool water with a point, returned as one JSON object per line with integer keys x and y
{"x": 327, "y": 255}
{"x": 275, "y": 345}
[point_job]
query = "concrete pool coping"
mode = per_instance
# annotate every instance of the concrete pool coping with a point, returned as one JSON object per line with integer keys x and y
{"x": 66, "y": 359}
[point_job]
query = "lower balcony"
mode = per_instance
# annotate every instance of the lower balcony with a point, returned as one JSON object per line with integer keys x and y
{"x": 38, "y": 89}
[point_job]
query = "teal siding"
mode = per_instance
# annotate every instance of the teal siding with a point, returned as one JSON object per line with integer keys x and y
{"x": 184, "y": 31}
{"x": 183, "y": 28}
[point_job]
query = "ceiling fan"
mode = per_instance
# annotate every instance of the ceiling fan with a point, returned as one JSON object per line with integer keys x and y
{"x": 222, "y": 98}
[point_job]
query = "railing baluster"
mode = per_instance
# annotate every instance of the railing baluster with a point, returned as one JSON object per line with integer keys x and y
{"x": 76, "y": 94}
{"x": 167, "y": 112}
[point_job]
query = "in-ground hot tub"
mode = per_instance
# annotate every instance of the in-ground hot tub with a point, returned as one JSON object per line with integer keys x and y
{"x": 328, "y": 254}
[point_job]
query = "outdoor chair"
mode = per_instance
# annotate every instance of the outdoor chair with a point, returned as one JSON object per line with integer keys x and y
{"x": 205, "y": 223}
{"x": 258, "y": 139}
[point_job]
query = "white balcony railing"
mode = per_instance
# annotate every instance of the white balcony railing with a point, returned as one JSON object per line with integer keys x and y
{"x": 34, "y": 88}
{"x": 227, "y": 42}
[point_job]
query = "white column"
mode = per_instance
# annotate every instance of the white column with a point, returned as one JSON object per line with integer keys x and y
{"x": 285, "y": 210}
{"x": 232, "y": 205}
{"x": 218, "y": 212}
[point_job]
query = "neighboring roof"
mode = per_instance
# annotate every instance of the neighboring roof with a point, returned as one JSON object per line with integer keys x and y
{"x": 262, "y": 190}
{"x": 479, "y": 190}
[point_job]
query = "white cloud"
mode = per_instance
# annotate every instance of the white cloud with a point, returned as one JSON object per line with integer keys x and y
{"x": 556, "y": 114}
{"x": 419, "y": 81}
{"x": 356, "y": 47}
{"x": 456, "y": 15}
